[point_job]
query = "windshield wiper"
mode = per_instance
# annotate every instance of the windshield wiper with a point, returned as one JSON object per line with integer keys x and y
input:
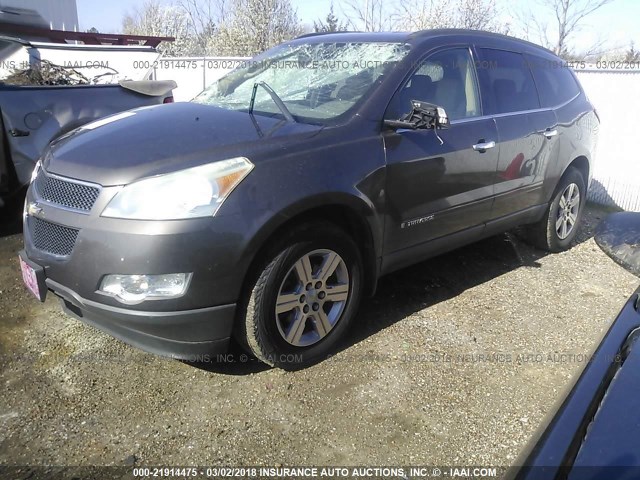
{"x": 274, "y": 96}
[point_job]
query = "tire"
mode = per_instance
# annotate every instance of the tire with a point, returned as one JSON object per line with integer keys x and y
{"x": 556, "y": 231}
{"x": 289, "y": 322}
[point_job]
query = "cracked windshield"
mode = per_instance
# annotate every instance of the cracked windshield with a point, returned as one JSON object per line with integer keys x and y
{"x": 318, "y": 81}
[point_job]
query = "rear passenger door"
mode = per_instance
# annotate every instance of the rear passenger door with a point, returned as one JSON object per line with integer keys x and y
{"x": 558, "y": 91}
{"x": 526, "y": 132}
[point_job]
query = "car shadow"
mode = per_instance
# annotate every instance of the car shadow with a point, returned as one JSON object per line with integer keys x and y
{"x": 409, "y": 290}
{"x": 441, "y": 278}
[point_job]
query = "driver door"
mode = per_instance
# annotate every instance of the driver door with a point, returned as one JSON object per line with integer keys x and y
{"x": 434, "y": 189}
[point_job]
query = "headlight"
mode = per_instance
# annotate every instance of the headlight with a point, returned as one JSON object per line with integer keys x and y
{"x": 194, "y": 192}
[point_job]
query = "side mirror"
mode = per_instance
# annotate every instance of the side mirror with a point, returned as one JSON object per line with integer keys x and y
{"x": 423, "y": 115}
{"x": 439, "y": 114}
{"x": 618, "y": 236}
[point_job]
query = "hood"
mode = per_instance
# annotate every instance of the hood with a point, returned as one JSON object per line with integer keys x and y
{"x": 125, "y": 147}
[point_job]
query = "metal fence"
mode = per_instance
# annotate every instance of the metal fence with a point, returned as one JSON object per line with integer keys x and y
{"x": 615, "y": 94}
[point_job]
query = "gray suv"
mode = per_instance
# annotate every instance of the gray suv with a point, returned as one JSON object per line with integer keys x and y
{"x": 267, "y": 207}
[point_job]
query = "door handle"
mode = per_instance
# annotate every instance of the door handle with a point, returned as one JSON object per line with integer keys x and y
{"x": 481, "y": 147}
{"x": 550, "y": 133}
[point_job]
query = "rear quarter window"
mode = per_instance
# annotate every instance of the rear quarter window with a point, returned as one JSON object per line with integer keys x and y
{"x": 556, "y": 84}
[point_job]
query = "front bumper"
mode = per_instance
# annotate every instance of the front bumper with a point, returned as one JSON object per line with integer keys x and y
{"x": 213, "y": 250}
{"x": 198, "y": 323}
{"x": 192, "y": 335}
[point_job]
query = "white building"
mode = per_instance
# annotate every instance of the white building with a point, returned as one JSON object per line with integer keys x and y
{"x": 57, "y": 14}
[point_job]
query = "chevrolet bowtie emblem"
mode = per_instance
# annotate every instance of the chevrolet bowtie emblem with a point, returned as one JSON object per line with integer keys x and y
{"x": 35, "y": 210}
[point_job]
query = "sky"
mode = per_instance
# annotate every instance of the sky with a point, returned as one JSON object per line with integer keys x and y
{"x": 616, "y": 23}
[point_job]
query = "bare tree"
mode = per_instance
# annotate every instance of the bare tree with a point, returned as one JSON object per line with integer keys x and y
{"x": 253, "y": 26}
{"x": 368, "y": 15}
{"x": 568, "y": 18}
{"x": 478, "y": 15}
{"x": 470, "y": 14}
{"x": 569, "y": 15}
{"x": 422, "y": 15}
{"x": 156, "y": 19}
{"x": 204, "y": 17}
{"x": 223, "y": 27}
{"x": 632, "y": 55}
{"x": 624, "y": 54}
{"x": 330, "y": 24}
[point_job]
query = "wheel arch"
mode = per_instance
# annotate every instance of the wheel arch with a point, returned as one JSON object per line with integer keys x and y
{"x": 354, "y": 215}
{"x": 583, "y": 165}
{"x": 580, "y": 160}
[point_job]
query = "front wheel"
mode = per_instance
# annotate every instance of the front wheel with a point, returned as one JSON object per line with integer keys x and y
{"x": 559, "y": 227}
{"x": 304, "y": 298}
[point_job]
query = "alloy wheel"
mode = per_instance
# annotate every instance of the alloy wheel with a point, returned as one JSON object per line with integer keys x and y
{"x": 312, "y": 297}
{"x": 568, "y": 209}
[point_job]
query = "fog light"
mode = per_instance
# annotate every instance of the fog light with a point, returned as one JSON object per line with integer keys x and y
{"x": 132, "y": 289}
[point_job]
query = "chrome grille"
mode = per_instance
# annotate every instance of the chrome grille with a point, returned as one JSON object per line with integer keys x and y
{"x": 66, "y": 193}
{"x": 52, "y": 238}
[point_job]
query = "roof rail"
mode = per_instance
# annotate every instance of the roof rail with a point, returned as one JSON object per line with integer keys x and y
{"x": 317, "y": 34}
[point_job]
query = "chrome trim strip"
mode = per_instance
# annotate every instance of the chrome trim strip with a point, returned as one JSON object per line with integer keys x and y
{"x": 72, "y": 180}
{"x": 499, "y": 115}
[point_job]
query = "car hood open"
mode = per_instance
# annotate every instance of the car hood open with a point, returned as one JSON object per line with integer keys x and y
{"x": 148, "y": 141}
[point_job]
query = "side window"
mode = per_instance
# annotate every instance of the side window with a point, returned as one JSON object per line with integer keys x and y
{"x": 506, "y": 82}
{"x": 555, "y": 82}
{"x": 446, "y": 79}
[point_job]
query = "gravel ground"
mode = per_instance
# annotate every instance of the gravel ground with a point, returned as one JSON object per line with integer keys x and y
{"x": 454, "y": 361}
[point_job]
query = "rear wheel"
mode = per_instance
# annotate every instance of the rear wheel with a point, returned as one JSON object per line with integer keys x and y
{"x": 558, "y": 228}
{"x": 304, "y": 299}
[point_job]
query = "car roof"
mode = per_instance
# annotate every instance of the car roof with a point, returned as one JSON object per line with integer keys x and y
{"x": 422, "y": 35}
